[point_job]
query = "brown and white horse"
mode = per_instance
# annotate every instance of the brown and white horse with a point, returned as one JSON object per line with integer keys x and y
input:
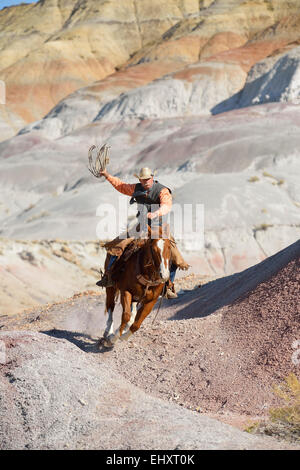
{"x": 140, "y": 283}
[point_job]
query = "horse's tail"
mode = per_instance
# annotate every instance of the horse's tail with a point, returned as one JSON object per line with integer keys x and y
{"x": 117, "y": 295}
{"x": 114, "y": 300}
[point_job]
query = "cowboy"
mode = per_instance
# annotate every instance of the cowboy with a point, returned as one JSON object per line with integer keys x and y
{"x": 149, "y": 194}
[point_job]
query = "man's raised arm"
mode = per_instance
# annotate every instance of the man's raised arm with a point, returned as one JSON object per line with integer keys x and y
{"x": 124, "y": 188}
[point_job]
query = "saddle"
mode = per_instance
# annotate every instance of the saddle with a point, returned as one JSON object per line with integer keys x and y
{"x": 119, "y": 265}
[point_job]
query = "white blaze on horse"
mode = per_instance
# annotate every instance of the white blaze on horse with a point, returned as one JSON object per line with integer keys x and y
{"x": 140, "y": 280}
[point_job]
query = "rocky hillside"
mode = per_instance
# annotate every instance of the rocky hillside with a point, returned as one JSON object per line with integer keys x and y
{"x": 52, "y": 48}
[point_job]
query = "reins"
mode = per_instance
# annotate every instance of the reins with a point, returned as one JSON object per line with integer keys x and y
{"x": 160, "y": 302}
{"x": 147, "y": 283}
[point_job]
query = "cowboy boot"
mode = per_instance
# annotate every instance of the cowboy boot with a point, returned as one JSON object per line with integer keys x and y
{"x": 106, "y": 280}
{"x": 171, "y": 293}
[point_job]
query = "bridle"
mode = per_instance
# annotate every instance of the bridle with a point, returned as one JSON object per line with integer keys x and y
{"x": 150, "y": 282}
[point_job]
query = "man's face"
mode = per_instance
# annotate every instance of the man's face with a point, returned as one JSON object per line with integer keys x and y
{"x": 147, "y": 183}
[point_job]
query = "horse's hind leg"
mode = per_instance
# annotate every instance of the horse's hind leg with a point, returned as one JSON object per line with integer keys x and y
{"x": 110, "y": 305}
{"x": 126, "y": 299}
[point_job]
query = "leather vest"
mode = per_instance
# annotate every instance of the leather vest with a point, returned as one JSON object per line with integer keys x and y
{"x": 148, "y": 199}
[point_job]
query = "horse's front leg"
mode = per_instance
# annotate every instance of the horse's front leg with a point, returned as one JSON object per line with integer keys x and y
{"x": 131, "y": 320}
{"x": 142, "y": 313}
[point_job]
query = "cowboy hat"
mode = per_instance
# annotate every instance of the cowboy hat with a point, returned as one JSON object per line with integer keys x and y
{"x": 144, "y": 174}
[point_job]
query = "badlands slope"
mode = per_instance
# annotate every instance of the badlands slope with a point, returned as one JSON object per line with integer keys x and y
{"x": 208, "y": 97}
{"x": 53, "y": 47}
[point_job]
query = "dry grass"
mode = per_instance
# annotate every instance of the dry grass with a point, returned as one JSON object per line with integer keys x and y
{"x": 37, "y": 216}
{"x": 253, "y": 179}
{"x": 277, "y": 181}
{"x": 263, "y": 227}
{"x": 289, "y": 392}
{"x": 284, "y": 421}
{"x": 66, "y": 253}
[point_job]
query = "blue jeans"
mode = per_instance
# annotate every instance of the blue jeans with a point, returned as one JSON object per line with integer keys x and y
{"x": 173, "y": 270}
{"x": 111, "y": 261}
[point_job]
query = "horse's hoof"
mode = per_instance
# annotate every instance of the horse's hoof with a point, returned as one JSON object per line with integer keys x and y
{"x": 105, "y": 342}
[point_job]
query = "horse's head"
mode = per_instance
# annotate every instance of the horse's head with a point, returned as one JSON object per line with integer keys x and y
{"x": 161, "y": 253}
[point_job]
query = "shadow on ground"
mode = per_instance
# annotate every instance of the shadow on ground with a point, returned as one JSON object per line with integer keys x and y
{"x": 83, "y": 341}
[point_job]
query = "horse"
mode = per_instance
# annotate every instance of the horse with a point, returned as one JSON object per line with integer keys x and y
{"x": 139, "y": 280}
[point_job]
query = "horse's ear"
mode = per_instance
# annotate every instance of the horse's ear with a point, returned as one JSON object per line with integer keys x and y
{"x": 149, "y": 231}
